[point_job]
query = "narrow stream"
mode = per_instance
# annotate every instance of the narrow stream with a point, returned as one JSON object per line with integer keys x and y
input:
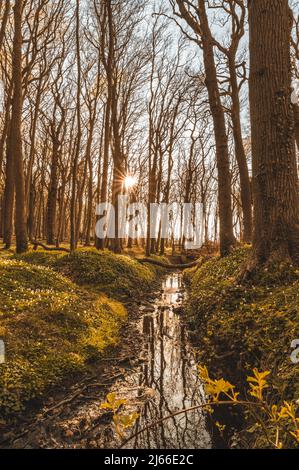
{"x": 168, "y": 378}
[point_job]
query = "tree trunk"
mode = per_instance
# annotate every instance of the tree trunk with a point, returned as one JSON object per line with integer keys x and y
{"x": 4, "y": 21}
{"x": 52, "y": 196}
{"x": 74, "y": 241}
{"x": 296, "y": 114}
{"x": 9, "y": 192}
{"x": 32, "y": 142}
{"x": 221, "y": 139}
{"x": 5, "y": 128}
{"x": 31, "y": 211}
{"x": 100, "y": 243}
{"x": 227, "y": 239}
{"x": 15, "y": 140}
{"x": 245, "y": 186}
{"x": 118, "y": 160}
{"x": 89, "y": 201}
{"x": 275, "y": 179}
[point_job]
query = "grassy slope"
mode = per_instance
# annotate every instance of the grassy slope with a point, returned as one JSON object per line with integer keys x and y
{"x": 118, "y": 275}
{"x": 51, "y": 324}
{"x": 239, "y": 327}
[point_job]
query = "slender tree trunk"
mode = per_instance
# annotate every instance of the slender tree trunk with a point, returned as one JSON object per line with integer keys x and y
{"x": 52, "y": 196}
{"x": 246, "y": 198}
{"x": 152, "y": 200}
{"x": 4, "y": 21}
{"x": 117, "y": 188}
{"x": 80, "y": 199}
{"x": 31, "y": 211}
{"x": 90, "y": 175}
{"x": 32, "y": 142}
{"x": 275, "y": 179}
{"x": 89, "y": 202}
{"x": 296, "y": 114}
{"x": 15, "y": 140}
{"x": 202, "y": 28}
{"x": 9, "y": 191}
{"x": 100, "y": 243}
{"x": 108, "y": 62}
{"x": 118, "y": 160}
{"x": 221, "y": 139}
{"x": 73, "y": 241}
{"x": 5, "y": 129}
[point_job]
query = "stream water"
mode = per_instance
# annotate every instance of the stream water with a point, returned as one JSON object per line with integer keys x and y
{"x": 168, "y": 379}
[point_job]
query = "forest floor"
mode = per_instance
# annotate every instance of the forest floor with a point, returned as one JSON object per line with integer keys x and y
{"x": 64, "y": 323}
{"x": 69, "y": 323}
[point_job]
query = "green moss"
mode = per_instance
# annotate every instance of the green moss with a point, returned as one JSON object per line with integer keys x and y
{"x": 55, "y": 317}
{"x": 118, "y": 275}
{"x": 41, "y": 257}
{"x": 242, "y": 326}
{"x": 50, "y": 328}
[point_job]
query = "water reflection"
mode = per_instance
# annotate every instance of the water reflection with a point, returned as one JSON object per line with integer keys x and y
{"x": 170, "y": 370}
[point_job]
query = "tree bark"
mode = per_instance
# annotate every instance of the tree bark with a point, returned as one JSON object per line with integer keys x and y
{"x": 9, "y": 191}
{"x": 15, "y": 140}
{"x": 275, "y": 178}
{"x": 74, "y": 241}
{"x": 4, "y": 21}
{"x": 100, "y": 243}
{"x": 296, "y": 114}
{"x": 118, "y": 160}
{"x": 246, "y": 198}
{"x": 53, "y": 188}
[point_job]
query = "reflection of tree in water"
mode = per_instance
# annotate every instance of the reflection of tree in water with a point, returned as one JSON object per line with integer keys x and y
{"x": 172, "y": 372}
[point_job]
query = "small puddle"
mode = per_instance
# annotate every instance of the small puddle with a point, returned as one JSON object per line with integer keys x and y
{"x": 167, "y": 381}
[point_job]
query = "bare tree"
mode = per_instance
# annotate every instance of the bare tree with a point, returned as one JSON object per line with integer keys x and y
{"x": 195, "y": 15}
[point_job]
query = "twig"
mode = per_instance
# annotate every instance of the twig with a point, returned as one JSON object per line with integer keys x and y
{"x": 187, "y": 410}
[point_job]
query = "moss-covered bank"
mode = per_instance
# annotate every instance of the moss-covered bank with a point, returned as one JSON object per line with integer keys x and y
{"x": 56, "y": 317}
{"x": 239, "y": 327}
{"x": 118, "y": 275}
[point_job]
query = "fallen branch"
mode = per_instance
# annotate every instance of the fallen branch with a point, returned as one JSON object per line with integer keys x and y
{"x": 80, "y": 392}
{"x": 185, "y": 411}
{"x": 47, "y": 248}
{"x": 170, "y": 266}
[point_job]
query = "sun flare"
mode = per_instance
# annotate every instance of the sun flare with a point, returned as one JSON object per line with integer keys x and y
{"x": 130, "y": 181}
